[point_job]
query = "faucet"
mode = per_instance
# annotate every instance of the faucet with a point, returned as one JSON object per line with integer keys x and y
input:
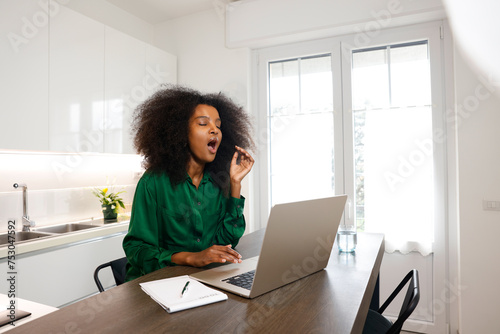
{"x": 27, "y": 223}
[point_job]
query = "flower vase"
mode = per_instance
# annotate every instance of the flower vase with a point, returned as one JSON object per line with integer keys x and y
{"x": 109, "y": 212}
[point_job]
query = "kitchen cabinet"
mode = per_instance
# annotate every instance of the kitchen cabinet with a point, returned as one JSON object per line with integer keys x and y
{"x": 147, "y": 68}
{"x": 122, "y": 52}
{"x": 76, "y": 87}
{"x": 61, "y": 275}
{"x": 24, "y": 106}
{"x": 161, "y": 67}
{"x": 71, "y": 83}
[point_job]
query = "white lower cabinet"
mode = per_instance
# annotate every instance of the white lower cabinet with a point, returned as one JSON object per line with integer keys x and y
{"x": 61, "y": 275}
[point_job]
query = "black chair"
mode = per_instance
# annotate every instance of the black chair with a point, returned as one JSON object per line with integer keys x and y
{"x": 376, "y": 323}
{"x": 118, "y": 267}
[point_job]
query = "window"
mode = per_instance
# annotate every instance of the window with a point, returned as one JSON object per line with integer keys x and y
{"x": 300, "y": 122}
{"x": 393, "y": 147}
{"x": 366, "y": 121}
{"x": 392, "y": 138}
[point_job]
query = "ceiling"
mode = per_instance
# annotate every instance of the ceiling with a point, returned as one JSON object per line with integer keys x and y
{"x": 156, "y": 11}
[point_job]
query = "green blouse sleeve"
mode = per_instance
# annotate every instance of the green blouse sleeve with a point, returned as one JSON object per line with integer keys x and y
{"x": 232, "y": 224}
{"x": 141, "y": 243}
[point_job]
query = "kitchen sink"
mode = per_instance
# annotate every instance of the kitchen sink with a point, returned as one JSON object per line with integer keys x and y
{"x": 22, "y": 236}
{"x": 43, "y": 232}
{"x": 65, "y": 228}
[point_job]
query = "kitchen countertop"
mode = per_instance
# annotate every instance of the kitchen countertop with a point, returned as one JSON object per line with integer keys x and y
{"x": 103, "y": 230}
{"x": 37, "y": 310}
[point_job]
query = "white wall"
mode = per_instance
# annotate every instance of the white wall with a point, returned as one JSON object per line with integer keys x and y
{"x": 204, "y": 63}
{"x": 258, "y": 23}
{"x": 478, "y": 121}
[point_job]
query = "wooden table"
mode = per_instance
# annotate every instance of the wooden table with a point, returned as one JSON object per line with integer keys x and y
{"x": 334, "y": 300}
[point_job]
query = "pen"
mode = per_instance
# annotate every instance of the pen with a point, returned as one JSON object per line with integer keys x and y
{"x": 185, "y": 289}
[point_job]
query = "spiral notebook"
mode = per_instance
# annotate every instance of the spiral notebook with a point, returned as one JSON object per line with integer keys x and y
{"x": 167, "y": 293}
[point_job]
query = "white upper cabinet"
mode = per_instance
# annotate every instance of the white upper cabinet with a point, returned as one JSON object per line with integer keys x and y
{"x": 72, "y": 85}
{"x": 76, "y": 83}
{"x": 147, "y": 68}
{"x": 24, "y": 106}
{"x": 161, "y": 68}
{"x": 124, "y": 71}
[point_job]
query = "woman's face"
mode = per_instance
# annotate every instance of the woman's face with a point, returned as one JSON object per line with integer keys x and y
{"x": 204, "y": 133}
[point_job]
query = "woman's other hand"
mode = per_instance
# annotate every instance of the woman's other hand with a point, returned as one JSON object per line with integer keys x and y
{"x": 213, "y": 254}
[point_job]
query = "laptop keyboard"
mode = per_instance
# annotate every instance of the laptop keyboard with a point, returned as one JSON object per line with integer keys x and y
{"x": 244, "y": 280}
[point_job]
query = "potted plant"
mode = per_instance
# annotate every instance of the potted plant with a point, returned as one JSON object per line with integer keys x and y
{"x": 109, "y": 202}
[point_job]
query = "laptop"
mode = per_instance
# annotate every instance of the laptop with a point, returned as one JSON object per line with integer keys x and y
{"x": 298, "y": 241}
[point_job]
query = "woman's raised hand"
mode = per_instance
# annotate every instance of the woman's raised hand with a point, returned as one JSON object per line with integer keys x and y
{"x": 238, "y": 171}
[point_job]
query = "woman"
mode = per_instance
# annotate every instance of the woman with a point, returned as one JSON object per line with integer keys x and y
{"x": 187, "y": 207}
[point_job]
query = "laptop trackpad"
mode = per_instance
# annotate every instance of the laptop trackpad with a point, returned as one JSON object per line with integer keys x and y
{"x": 227, "y": 270}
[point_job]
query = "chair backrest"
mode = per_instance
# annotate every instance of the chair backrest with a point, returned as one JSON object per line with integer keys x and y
{"x": 410, "y": 302}
{"x": 118, "y": 268}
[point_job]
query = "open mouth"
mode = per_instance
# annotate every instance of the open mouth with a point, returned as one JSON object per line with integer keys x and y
{"x": 212, "y": 145}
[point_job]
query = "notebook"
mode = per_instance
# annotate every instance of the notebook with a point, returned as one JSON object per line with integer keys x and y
{"x": 297, "y": 242}
{"x": 169, "y": 294}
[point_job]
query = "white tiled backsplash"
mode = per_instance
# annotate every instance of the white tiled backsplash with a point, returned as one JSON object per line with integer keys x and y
{"x": 60, "y": 184}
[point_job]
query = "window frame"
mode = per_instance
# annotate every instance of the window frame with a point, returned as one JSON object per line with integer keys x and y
{"x": 261, "y": 59}
{"x": 339, "y": 47}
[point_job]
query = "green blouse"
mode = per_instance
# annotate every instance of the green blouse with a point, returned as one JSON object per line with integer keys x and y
{"x": 167, "y": 219}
